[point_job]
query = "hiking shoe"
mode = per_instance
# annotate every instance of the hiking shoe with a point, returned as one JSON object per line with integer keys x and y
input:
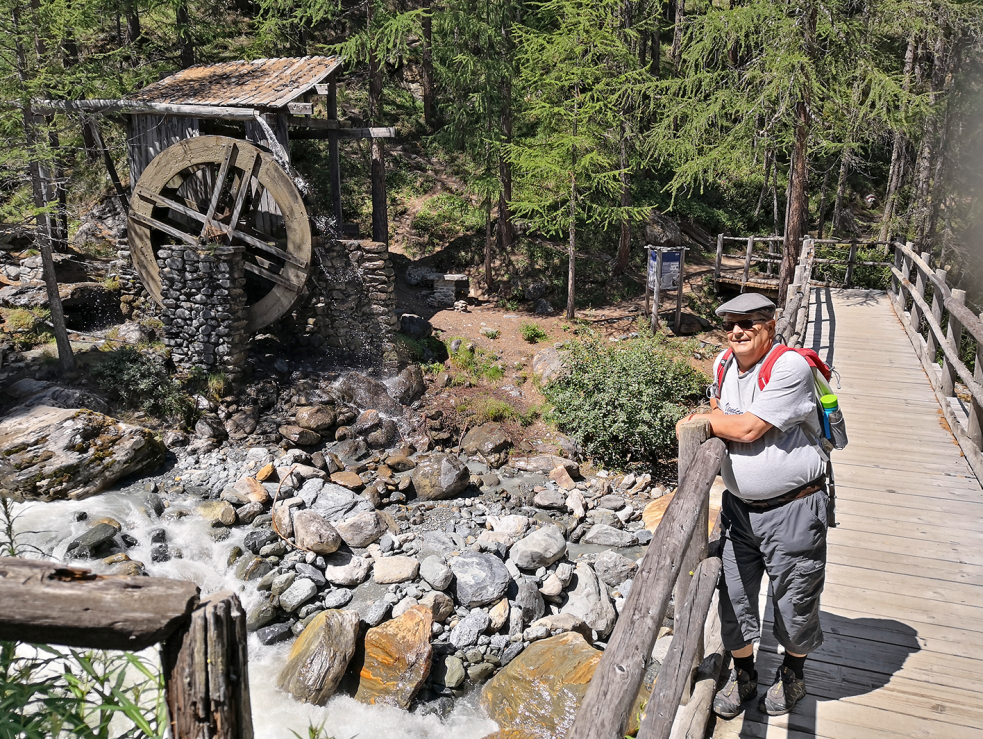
{"x": 740, "y": 687}
{"x": 784, "y": 694}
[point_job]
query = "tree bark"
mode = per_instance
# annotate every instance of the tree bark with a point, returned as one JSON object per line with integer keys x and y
{"x": 185, "y": 41}
{"x": 427, "y": 68}
{"x": 677, "y": 35}
{"x": 624, "y": 238}
{"x": 572, "y": 262}
{"x": 764, "y": 187}
{"x": 798, "y": 211}
{"x": 896, "y": 173}
{"x": 840, "y": 191}
{"x": 380, "y": 215}
{"x": 39, "y": 190}
{"x": 488, "y": 246}
{"x": 822, "y": 200}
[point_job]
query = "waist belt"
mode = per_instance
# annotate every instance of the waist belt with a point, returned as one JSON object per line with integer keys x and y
{"x": 800, "y": 492}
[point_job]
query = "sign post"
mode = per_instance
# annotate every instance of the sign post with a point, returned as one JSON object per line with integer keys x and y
{"x": 665, "y": 272}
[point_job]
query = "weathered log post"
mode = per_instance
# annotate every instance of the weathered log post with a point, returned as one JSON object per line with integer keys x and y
{"x": 975, "y": 410}
{"x": 206, "y": 673}
{"x": 720, "y": 256}
{"x": 747, "y": 261}
{"x": 954, "y": 336}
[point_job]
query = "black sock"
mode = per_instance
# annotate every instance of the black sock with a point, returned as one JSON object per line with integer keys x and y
{"x": 746, "y": 664}
{"x": 795, "y": 664}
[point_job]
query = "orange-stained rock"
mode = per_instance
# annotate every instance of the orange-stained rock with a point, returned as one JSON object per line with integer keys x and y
{"x": 561, "y": 477}
{"x": 265, "y": 472}
{"x": 538, "y": 693}
{"x": 348, "y": 479}
{"x": 320, "y": 657}
{"x": 397, "y": 659}
{"x": 253, "y": 489}
{"x": 654, "y": 511}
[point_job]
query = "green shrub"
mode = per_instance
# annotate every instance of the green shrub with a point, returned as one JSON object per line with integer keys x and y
{"x": 622, "y": 401}
{"x": 444, "y": 217}
{"x": 493, "y": 333}
{"x": 477, "y": 363}
{"x": 532, "y": 332}
{"x": 142, "y": 381}
{"x": 484, "y": 409}
{"x": 27, "y": 328}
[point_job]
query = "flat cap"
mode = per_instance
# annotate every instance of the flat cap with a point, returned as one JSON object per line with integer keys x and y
{"x": 745, "y": 304}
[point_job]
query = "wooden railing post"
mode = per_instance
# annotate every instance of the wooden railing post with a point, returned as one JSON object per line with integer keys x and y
{"x": 895, "y": 282}
{"x": 771, "y": 254}
{"x": 938, "y": 298}
{"x": 953, "y": 337}
{"x": 720, "y": 256}
{"x": 691, "y": 436}
{"x": 206, "y": 673}
{"x": 919, "y": 289}
{"x": 747, "y": 260}
{"x": 848, "y": 279}
{"x": 975, "y": 430}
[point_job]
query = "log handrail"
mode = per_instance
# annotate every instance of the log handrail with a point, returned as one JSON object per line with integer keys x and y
{"x": 942, "y": 375}
{"x": 206, "y": 680}
{"x": 604, "y": 712}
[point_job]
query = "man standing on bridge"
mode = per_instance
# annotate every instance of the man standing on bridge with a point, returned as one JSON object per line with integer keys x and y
{"x": 773, "y": 514}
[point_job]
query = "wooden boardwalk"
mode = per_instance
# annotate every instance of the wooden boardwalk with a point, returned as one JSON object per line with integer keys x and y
{"x": 903, "y": 605}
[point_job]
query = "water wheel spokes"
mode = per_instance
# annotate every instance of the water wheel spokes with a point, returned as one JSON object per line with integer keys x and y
{"x": 213, "y": 190}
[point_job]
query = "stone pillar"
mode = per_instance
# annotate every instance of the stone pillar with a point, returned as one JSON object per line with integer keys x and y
{"x": 204, "y": 307}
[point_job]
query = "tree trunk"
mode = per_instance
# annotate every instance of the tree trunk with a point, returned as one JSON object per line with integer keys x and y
{"x": 572, "y": 262}
{"x": 655, "y": 68}
{"x": 624, "y": 239}
{"x": 896, "y": 173}
{"x": 380, "y": 215}
{"x": 39, "y": 190}
{"x": 134, "y": 33}
{"x": 822, "y": 200}
{"x": 798, "y": 211}
{"x": 183, "y": 21}
{"x": 764, "y": 187}
{"x": 840, "y": 191}
{"x": 488, "y": 246}
{"x": 427, "y": 68}
{"x": 677, "y": 35}
{"x": 506, "y": 233}
{"x": 774, "y": 204}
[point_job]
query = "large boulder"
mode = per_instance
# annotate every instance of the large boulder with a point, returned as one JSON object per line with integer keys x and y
{"x": 319, "y": 418}
{"x": 408, "y": 385}
{"x": 320, "y": 657}
{"x": 397, "y": 659}
{"x": 335, "y": 503}
{"x": 479, "y": 579}
{"x": 314, "y": 533}
{"x": 54, "y": 453}
{"x": 440, "y": 476}
{"x": 589, "y": 601}
{"x": 541, "y": 548}
{"x": 346, "y": 570}
{"x": 548, "y": 365}
{"x": 368, "y": 393}
{"x": 414, "y": 326}
{"x": 29, "y": 393}
{"x": 490, "y": 441}
{"x": 361, "y": 529}
{"x": 660, "y": 229}
{"x": 539, "y": 692}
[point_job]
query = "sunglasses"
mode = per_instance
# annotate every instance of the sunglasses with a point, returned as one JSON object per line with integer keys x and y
{"x": 746, "y": 324}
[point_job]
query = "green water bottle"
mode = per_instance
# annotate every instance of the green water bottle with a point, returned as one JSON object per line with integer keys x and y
{"x": 834, "y": 429}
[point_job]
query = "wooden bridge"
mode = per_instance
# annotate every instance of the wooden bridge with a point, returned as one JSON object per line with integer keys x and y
{"x": 903, "y": 605}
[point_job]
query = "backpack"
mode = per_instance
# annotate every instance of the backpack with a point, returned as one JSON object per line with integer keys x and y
{"x": 833, "y": 432}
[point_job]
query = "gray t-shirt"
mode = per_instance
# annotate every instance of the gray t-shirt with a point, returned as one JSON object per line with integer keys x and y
{"x": 786, "y": 456}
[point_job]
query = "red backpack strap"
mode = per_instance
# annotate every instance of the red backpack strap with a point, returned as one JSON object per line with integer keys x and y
{"x": 764, "y": 374}
{"x": 722, "y": 369}
{"x": 814, "y": 361}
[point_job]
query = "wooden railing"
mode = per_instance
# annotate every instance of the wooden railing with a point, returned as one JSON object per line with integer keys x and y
{"x": 203, "y": 656}
{"x": 676, "y": 561}
{"x": 770, "y": 276}
{"x": 912, "y": 279}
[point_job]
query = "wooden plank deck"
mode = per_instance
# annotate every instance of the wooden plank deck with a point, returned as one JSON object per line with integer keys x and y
{"x": 903, "y": 605}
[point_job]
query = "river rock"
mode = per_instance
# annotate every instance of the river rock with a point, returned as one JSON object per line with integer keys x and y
{"x": 440, "y": 605}
{"x": 541, "y": 548}
{"x": 399, "y": 463}
{"x": 319, "y": 657}
{"x": 589, "y": 601}
{"x": 397, "y": 660}
{"x": 348, "y": 479}
{"x": 412, "y": 325}
{"x": 562, "y": 478}
{"x": 360, "y": 530}
{"x": 613, "y": 569}
{"x": 498, "y": 616}
{"x": 546, "y": 463}
{"x": 318, "y": 418}
{"x": 96, "y": 537}
{"x": 210, "y": 426}
{"x": 529, "y": 601}
{"x": 368, "y": 393}
{"x": 436, "y": 572}
{"x": 449, "y": 673}
{"x": 490, "y": 442}
{"x": 480, "y": 579}
{"x": 408, "y": 385}
{"x": 55, "y": 453}
{"x": 563, "y": 622}
{"x": 335, "y": 503}
{"x": 608, "y": 536}
{"x": 513, "y": 525}
{"x": 384, "y": 436}
{"x": 313, "y": 532}
{"x": 297, "y": 594}
{"x": 251, "y": 567}
{"x": 466, "y": 633}
{"x": 299, "y": 436}
{"x": 218, "y": 512}
{"x": 253, "y": 490}
{"x": 440, "y": 476}
{"x": 346, "y": 569}
{"x": 390, "y": 570}
{"x": 539, "y": 691}
{"x": 576, "y": 504}
{"x": 30, "y": 392}
{"x": 550, "y": 498}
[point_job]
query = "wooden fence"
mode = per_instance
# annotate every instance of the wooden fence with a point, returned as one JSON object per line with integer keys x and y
{"x": 936, "y": 331}
{"x": 203, "y": 654}
{"x": 769, "y": 278}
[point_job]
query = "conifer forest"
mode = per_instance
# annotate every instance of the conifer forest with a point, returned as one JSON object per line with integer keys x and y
{"x": 565, "y": 121}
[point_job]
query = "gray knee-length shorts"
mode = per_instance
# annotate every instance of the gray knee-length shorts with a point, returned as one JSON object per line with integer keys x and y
{"x": 789, "y": 543}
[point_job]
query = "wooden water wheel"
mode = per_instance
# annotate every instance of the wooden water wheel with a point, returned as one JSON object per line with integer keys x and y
{"x": 223, "y": 191}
